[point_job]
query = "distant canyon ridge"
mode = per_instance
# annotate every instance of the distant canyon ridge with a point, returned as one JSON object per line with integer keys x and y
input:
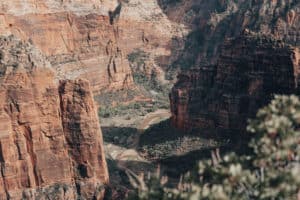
{"x": 239, "y": 54}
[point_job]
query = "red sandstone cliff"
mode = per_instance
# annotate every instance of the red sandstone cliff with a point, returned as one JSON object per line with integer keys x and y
{"x": 79, "y": 42}
{"x": 50, "y": 139}
{"x": 250, "y": 69}
{"x": 90, "y": 39}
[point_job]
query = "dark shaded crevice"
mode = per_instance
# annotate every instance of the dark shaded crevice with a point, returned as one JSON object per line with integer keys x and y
{"x": 1, "y": 154}
{"x": 114, "y": 66}
{"x": 88, "y": 39}
{"x": 78, "y": 188}
{"x": 30, "y": 151}
{"x": 14, "y": 105}
{"x": 19, "y": 150}
{"x": 83, "y": 171}
{"x": 114, "y": 15}
{"x": 108, "y": 68}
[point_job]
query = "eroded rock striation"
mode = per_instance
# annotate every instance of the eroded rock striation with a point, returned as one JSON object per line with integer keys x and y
{"x": 250, "y": 69}
{"x": 90, "y": 39}
{"x": 50, "y": 140}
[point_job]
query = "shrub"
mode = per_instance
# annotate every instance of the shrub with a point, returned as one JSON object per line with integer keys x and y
{"x": 271, "y": 170}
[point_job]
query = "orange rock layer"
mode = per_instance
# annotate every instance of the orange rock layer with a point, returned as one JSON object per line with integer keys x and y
{"x": 50, "y": 139}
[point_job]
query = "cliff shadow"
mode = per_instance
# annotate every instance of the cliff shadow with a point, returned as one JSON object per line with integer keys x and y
{"x": 176, "y": 166}
{"x": 162, "y": 142}
{"x": 164, "y": 132}
{"x": 120, "y": 136}
{"x": 120, "y": 185}
{"x": 160, "y": 133}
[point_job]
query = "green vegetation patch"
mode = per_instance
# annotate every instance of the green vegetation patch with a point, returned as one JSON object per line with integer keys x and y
{"x": 163, "y": 141}
{"x": 131, "y": 110}
{"x": 269, "y": 170}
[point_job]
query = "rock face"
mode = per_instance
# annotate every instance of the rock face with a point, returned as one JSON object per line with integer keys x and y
{"x": 213, "y": 21}
{"x": 92, "y": 39}
{"x": 50, "y": 139}
{"x": 87, "y": 38}
{"x": 250, "y": 69}
{"x": 79, "y": 42}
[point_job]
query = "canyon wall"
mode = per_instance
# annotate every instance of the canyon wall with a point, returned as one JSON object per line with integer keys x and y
{"x": 251, "y": 68}
{"x": 211, "y": 22}
{"x": 90, "y": 39}
{"x": 50, "y": 141}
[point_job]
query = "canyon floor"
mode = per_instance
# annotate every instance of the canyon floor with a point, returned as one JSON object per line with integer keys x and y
{"x": 121, "y": 143}
{"x": 141, "y": 143}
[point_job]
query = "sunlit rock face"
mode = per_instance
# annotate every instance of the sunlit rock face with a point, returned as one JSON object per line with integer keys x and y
{"x": 50, "y": 140}
{"x": 91, "y": 39}
{"x": 251, "y": 68}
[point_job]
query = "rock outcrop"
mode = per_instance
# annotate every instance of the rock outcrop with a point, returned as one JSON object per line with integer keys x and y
{"x": 50, "y": 140}
{"x": 250, "y": 69}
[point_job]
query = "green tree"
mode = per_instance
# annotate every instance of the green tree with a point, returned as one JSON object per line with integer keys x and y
{"x": 270, "y": 171}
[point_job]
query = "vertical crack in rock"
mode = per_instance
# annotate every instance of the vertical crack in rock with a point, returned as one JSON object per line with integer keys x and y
{"x": 29, "y": 146}
{"x": 109, "y": 70}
